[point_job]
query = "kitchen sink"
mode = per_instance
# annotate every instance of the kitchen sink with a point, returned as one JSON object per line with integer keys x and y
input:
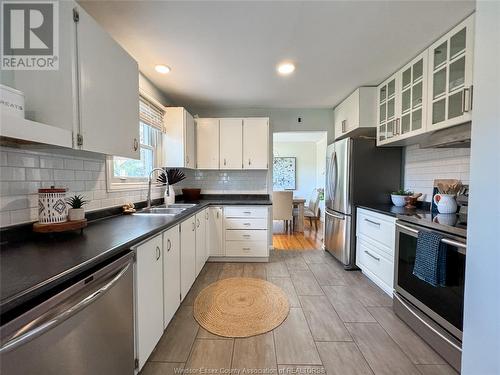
{"x": 169, "y": 210}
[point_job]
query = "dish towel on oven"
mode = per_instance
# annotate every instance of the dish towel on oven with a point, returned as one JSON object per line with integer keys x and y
{"x": 430, "y": 260}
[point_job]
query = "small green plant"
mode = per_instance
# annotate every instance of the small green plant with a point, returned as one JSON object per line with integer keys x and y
{"x": 76, "y": 201}
{"x": 402, "y": 192}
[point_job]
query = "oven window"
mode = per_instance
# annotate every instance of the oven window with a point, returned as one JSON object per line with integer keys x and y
{"x": 446, "y": 301}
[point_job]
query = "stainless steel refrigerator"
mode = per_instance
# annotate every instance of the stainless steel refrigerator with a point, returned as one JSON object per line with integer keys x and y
{"x": 357, "y": 173}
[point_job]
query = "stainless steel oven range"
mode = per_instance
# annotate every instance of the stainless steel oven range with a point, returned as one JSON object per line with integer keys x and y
{"x": 434, "y": 312}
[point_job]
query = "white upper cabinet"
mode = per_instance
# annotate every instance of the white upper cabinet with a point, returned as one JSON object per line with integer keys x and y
{"x": 356, "y": 113}
{"x": 450, "y": 78}
{"x": 402, "y": 102}
{"x": 207, "y": 143}
{"x": 255, "y": 143}
{"x": 179, "y": 147}
{"x": 109, "y": 92}
{"x": 231, "y": 143}
{"x": 94, "y": 94}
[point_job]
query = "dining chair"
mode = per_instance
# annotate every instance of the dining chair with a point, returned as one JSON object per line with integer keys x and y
{"x": 311, "y": 211}
{"x": 283, "y": 208}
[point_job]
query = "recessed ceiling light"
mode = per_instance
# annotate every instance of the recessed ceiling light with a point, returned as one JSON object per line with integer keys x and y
{"x": 163, "y": 69}
{"x": 286, "y": 68}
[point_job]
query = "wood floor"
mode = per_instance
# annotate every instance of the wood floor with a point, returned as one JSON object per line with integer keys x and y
{"x": 339, "y": 323}
{"x": 309, "y": 240}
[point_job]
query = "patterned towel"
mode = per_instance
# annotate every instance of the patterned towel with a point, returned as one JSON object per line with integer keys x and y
{"x": 430, "y": 260}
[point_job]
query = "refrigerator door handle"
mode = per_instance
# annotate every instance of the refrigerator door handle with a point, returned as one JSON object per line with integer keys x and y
{"x": 335, "y": 216}
{"x": 333, "y": 183}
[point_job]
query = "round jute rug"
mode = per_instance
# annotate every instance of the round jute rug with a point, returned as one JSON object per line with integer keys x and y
{"x": 240, "y": 307}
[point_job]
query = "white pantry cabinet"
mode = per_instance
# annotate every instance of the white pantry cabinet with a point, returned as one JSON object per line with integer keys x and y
{"x": 231, "y": 143}
{"x": 171, "y": 273}
{"x": 201, "y": 240}
{"x": 215, "y": 230}
{"x": 148, "y": 297}
{"x": 255, "y": 143}
{"x": 108, "y": 92}
{"x": 450, "y": 77}
{"x": 94, "y": 93}
{"x": 356, "y": 112}
{"x": 207, "y": 143}
{"x": 179, "y": 147}
{"x": 188, "y": 255}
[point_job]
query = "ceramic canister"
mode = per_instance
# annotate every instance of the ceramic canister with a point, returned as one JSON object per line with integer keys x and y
{"x": 52, "y": 205}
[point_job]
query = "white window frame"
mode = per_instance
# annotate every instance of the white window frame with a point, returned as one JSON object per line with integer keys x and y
{"x": 135, "y": 183}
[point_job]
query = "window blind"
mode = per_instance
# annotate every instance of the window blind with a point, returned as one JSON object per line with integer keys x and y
{"x": 151, "y": 114}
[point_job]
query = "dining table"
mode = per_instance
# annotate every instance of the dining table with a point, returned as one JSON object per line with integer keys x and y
{"x": 299, "y": 223}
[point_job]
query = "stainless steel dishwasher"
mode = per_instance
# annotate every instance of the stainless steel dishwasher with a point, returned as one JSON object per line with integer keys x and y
{"x": 86, "y": 328}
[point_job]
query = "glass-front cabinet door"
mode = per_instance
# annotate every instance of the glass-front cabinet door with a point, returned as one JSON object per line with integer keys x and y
{"x": 387, "y": 110}
{"x": 450, "y": 77}
{"x": 413, "y": 94}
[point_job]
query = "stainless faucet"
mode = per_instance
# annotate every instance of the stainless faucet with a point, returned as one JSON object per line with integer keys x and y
{"x": 148, "y": 202}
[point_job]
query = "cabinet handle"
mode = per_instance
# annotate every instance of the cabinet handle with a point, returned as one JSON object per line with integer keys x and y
{"x": 169, "y": 245}
{"x": 247, "y": 212}
{"x": 249, "y": 162}
{"x": 158, "y": 253}
{"x": 372, "y": 222}
{"x": 197, "y": 223}
{"x": 136, "y": 144}
{"x": 246, "y": 249}
{"x": 206, "y": 215}
{"x": 187, "y": 159}
{"x": 247, "y": 224}
{"x": 224, "y": 161}
{"x": 371, "y": 255}
{"x": 217, "y": 214}
{"x": 194, "y": 226}
{"x": 343, "y": 125}
{"x": 466, "y": 99}
{"x": 246, "y": 236}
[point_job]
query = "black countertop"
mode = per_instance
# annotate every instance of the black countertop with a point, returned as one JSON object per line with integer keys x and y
{"x": 449, "y": 223}
{"x": 33, "y": 266}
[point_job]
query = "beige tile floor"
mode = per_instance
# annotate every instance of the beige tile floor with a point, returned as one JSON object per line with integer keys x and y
{"x": 339, "y": 323}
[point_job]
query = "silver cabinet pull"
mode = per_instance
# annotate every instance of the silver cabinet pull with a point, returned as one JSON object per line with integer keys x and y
{"x": 197, "y": 223}
{"x": 246, "y": 236}
{"x": 169, "y": 244}
{"x": 373, "y": 256}
{"x": 247, "y": 224}
{"x": 136, "y": 144}
{"x": 372, "y": 222}
{"x": 247, "y": 212}
{"x": 343, "y": 125}
{"x": 249, "y": 162}
{"x": 194, "y": 226}
{"x": 246, "y": 249}
{"x": 217, "y": 214}
{"x": 225, "y": 161}
{"x": 158, "y": 252}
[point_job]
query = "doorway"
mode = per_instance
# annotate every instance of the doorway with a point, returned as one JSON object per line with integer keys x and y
{"x": 299, "y": 168}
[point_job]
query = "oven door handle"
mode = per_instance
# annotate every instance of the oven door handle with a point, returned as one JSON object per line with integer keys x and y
{"x": 446, "y": 241}
{"x": 408, "y": 308}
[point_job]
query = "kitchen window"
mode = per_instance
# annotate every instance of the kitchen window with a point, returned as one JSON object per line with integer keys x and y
{"x": 124, "y": 173}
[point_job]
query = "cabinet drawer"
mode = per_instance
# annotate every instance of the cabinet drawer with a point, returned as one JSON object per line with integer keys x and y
{"x": 381, "y": 228}
{"x": 246, "y": 235}
{"x": 246, "y": 248}
{"x": 234, "y": 223}
{"x": 369, "y": 259}
{"x": 239, "y": 211}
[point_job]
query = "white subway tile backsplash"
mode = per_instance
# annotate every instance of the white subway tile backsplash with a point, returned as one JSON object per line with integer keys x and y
{"x": 423, "y": 166}
{"x": 23, "y": 172}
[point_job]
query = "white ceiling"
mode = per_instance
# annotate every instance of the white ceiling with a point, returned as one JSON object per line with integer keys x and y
{"x": 224, "y": 54}
{"x": 311, "y": 136}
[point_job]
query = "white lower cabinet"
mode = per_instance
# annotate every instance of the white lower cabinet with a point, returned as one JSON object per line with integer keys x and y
{"x": 215, "y": 231}
{"x": 375, "y": 245}
{"x": 148, "y": 297}
{"x": 171, "y": 273}
{"x": 188, "y": 255}
{"x": 246, "y": 231}
{"x": 201, "y": 240}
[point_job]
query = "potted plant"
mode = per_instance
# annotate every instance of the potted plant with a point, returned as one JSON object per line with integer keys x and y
{"x": 171, "y": 177}
{"x": 399, "y": 197}
{"x": 76, "y": 212}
